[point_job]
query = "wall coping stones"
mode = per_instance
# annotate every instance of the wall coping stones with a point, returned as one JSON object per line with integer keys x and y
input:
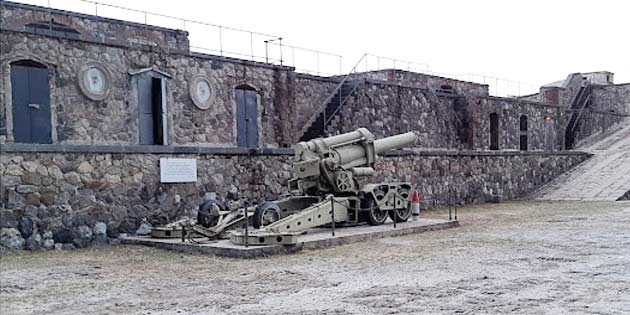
{"x": 396, "y": 153}
{"x": 157, "y": 149}
{"x": 138, "y": 149}
{"x": 88, "y": 16}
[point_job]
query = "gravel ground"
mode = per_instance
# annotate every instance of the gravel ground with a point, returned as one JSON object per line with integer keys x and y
{"x": 510, "y": 258}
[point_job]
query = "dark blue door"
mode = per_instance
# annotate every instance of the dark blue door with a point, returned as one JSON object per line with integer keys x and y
{"x": 31, "y": 104}
{"x": 247, "y": 118}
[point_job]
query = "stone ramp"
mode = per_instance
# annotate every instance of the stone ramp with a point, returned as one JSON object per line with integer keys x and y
{"x": 314, "y": 239}
{"x": 605, "y": 176}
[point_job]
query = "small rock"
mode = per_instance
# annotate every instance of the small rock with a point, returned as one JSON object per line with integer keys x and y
{"x": 83, "y": 236}
{"x": 144, "y": 229}
{"x": 48, "y": 235}
{"x": 26, "y": 227}
{"x": 55, "y": 171}
{"x": 14, "y": 170}
{"x": 26, "y": 189}
{"x": 100, "y": 228}
{"x": 34, "y": 242}
{"x": 100, "y": 239}
{"x": 63, "y": 236}
{"x": 11, "y": 239}
{"x": 49, "y": 244}
{"x": 67, "y": 246}
{"x": 58, "y": 246}
{"x": 73, "y": 178}
{"x": 85, "y": 168}
{"x": 30, "y": 166}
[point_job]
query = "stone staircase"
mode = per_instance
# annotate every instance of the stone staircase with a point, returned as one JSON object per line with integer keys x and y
{"x": 327, "y": 119}
{"x": 605, "y": 176}
{"x": 579, "y": 103}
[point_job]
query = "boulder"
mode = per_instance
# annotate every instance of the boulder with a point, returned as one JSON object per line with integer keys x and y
{"x": 100, "y": 228}
{"x": 82, "y": 236}
{"x": 144, "y": 229}
{"x": 85, "y": 168}
{"x": 34, "y": 242}
{"x": 26, "y": 227}
{"x": 49, "y": 243}
{"x": 11, "y": 239}
{"x": 62, "y": 236}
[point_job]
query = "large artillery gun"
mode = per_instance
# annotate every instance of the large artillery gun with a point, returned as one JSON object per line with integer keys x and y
{"x": 328, "y": 186}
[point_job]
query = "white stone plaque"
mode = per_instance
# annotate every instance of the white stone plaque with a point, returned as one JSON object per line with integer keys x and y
{"x": 178, "y": 170}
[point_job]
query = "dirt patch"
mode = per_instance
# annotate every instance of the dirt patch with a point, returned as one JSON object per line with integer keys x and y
{"x": 516, "y": 258}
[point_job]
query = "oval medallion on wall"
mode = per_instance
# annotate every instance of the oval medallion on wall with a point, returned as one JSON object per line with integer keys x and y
{"x": 201, "y": 91}
{"x": 94, "y": 81}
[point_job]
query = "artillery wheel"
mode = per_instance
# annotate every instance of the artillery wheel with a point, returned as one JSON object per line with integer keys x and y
{"x": 208, "y": 213}
{"x": 400, "y": 215}
{"x": 265, "y": 214}
{"x": 374, "y": 216}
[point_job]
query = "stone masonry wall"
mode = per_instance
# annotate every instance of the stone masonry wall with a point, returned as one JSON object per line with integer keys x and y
{"x": 475, "y": 177}
{"x": 612, "y": 98}
{"x": 15, "y": 16}
{"x": 388, "y": 109}
{"x": 425, "y": 81}
{"x": 81, "y": 198}
{"x": 310, "y": 93}
{"x": 60, "y": 194}
{"x": 79, "y": 120}
{"x": 539, "y": 130}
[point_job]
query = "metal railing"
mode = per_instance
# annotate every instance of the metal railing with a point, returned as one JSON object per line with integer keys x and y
{"x": 212, "y": 38}
{"x": 496, "y": 86}
{"x": 269, "y": 48}
{"x": 322, "y": 107}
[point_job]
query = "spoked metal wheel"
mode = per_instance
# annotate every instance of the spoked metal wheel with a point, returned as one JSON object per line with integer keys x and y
{"x": 265, "y": 214}
{"x": 373, "y": 216}
{"x": 402, "y": 214}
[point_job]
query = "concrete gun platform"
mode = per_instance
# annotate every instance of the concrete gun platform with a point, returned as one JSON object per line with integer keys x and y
{"x": 313, "y": 239}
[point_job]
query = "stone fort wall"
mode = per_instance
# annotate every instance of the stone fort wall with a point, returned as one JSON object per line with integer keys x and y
{"x": 71, "y": 197}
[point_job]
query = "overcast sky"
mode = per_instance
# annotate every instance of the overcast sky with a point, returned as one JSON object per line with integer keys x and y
{"x": 532, "y": 41}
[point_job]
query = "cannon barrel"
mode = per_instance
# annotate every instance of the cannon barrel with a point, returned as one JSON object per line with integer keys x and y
{"x": 357, "y": 155}
{"x": 394, "y": 142}
{"x": 331, "y": 164}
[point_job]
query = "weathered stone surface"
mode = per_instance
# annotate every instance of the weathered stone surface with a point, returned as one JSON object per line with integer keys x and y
{"x": 34, "y": 242}
{"x": 11, "y": 239}
{"x": 26, "y": 227}
{"x": 63, "y": 236}
{"x": 100, "y": 228}
{"x": 144, "y": 229}
{"x": 26, "y": 189}
{"x": 72, "y": 178}
{"x": 8, "y": 219}
{"x": 85, "y": 168}
{"x": 82, "y": 237}
{"x": 49, "y": 244}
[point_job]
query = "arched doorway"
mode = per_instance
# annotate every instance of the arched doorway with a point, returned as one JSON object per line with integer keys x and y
{"x": 246, "y": 116}
{"x": 30, "y": 94}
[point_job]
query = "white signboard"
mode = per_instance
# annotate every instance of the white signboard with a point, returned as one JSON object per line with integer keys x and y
{"x": 178, "y": 170}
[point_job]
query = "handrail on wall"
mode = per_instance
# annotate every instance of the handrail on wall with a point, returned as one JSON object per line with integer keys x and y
{"x": 322, "y": 106}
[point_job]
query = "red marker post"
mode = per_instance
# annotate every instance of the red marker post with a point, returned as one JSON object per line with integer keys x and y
{"x": 415, "y": 206}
